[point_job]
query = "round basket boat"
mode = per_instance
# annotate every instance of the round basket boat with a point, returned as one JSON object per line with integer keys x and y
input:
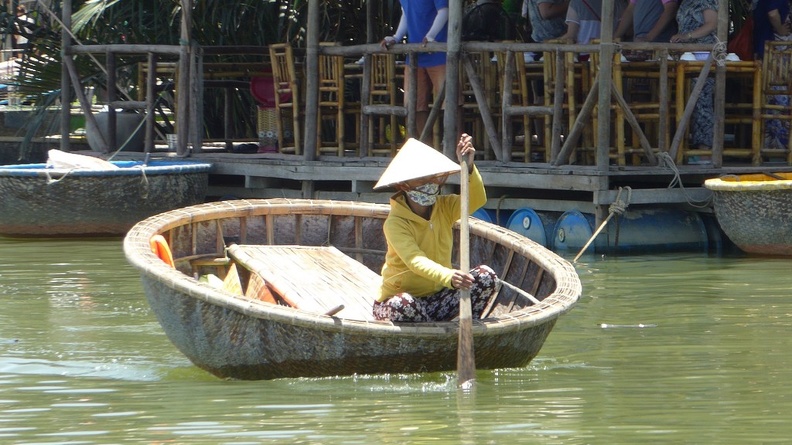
{"x": 755, "y": 211}
{"x": 252, "y": 335}
{"x": 42, "y": 201}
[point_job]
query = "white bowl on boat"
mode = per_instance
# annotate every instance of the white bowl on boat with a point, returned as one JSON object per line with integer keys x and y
{"x": 687, "y": 56}
{"x": 701, "y": 55}
{"x": 731, "y": 57}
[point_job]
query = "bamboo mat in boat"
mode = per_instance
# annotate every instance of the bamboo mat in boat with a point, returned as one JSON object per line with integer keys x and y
{"x": 313, "y": 278}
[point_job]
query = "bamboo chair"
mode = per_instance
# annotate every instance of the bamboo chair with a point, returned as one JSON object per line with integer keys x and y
{"x": 577, "y": 83}
{"x": 775, "y": 97}
{"x": 381, "y": 132}
{"x": 287, "y": 98}
{"x": 739, "y": 109}
{"x": 638, "y": 83}
{"x": 617, "y": 149}
{"x": 649, "y": 97}
{"x": 330, "y": 129}
{"x": 518, "y": 109}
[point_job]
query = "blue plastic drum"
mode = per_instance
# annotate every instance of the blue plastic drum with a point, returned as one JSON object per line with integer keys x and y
{"x": 572, "y": 231}
{"x": 635, "y": 231}
{"x": 528, "y": 223}
{"x": 483, "y": 214}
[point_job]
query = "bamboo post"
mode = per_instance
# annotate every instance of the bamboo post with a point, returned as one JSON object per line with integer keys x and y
{"x": 90, "y": 121}
{"x": 412, "y": 97}
{"x": 662, "y": 142}
{"x": 182, "y": 100}
{"x": 720, "y": 114}
{"x": 112, "y": 95}
{"x": 196, "y": 98}
{"x": 605, "y": 79}
{"x": 558, "y": 107}
{"x": 151, "y": 84}
{"x": 506, "y": 101}
{"x": 450, "y": 124}
{"x": 66, "y": 43}
{"x": 365, "y": 93}
{"x": 312, "y": 83}
{"x": 481, "y": 100}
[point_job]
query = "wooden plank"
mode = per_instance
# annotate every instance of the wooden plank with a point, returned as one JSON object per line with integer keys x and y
{"x": 313, "y": 278}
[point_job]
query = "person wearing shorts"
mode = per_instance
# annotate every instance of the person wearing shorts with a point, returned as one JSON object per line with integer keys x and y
{"x": 424, "y": 21}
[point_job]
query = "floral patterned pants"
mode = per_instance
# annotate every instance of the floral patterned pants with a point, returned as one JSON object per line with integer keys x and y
{"x": 441, "y": 306}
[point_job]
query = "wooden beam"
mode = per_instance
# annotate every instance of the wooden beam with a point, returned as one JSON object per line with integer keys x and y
{"x": 66, "y": 95}
{"x": 183, "y": 90}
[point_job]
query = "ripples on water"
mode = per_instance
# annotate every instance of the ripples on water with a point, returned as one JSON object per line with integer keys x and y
{"x": 660, "y": 349}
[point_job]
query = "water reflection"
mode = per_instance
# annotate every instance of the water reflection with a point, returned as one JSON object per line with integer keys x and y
{"x": 661, "y": 349}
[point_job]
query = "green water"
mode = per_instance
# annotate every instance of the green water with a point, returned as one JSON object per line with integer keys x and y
{"x": 670, "y": 349}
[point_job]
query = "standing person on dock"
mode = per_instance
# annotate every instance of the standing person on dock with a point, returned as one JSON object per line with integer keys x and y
{"x": 424, "y": 21}
{"x": 419, "y": 282}
{"x": 772, "y": 21}
{"x": 650, "y": 20}
{"x": 698, "y": 21}
{"x": 584, "y": 23}
{"x": 546, "y": 18}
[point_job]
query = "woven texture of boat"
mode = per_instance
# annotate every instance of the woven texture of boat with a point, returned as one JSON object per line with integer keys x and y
{"x": 321, "y": 256}
{"x": 38, "y": 200}
{"x": 755, "y": 211}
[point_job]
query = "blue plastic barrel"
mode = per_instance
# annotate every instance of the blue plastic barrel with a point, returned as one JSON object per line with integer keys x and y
{"x": 635, "y": 231}
{"x": 529, "y": 224}
{"x": 493, "y": 216}
{"x": 572, "y": 231}
{"x": 483, "y": 215}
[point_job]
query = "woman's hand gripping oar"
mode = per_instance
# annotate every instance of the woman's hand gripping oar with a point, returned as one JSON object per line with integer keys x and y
{"x": 466, "y": 359}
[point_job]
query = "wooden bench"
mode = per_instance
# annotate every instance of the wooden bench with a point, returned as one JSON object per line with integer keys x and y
{"x": 313, "y": 278}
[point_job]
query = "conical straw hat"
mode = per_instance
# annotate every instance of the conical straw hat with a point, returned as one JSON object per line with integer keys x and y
{"x": 416, "y": 160}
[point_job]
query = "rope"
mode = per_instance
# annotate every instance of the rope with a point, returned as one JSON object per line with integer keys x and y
{"x": 719, "y": 52}
{"x": 616, "y": 208}
{"x": 53, "y": 181}
{"x": 665, "y": 160}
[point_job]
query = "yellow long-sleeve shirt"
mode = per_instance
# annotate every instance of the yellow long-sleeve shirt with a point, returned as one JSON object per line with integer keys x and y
{"x": 418, "y": 260}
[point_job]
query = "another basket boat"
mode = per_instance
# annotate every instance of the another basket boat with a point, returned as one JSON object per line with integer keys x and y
{"x": 41, "y": 201}
{"x": 281, "y": 251}
{"x": 755, "y": 211}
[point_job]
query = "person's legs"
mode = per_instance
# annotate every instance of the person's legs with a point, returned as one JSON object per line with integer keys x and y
{"x": 444, "y": 305}
{"x": 422, "y": 81}
{"x": 437, "y": 75}
{"x": 400, "y": 307}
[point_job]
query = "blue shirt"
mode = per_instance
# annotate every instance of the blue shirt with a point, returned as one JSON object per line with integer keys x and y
{"x": 420, "y": 15}
{"x": 763, "y": 31}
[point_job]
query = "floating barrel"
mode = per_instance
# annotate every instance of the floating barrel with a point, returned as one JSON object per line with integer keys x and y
{"x": 537, "y": 226}
{"x": 635, "y": 231}
{"x": 483, "y": 215}
{"x": 572, "y": 231}
{"x": 499, "y": 216}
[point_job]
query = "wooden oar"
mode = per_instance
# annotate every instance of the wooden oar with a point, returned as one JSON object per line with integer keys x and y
{"x": 466, "y": 360}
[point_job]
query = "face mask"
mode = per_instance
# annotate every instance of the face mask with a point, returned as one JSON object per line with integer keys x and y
{"x": 424, "y": 195}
